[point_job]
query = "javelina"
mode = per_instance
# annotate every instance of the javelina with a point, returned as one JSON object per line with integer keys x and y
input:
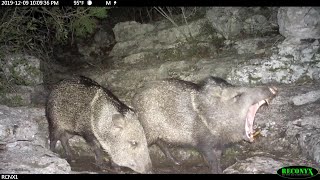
{"x": 204, "y": 116}
{"x": 80, "y": 106}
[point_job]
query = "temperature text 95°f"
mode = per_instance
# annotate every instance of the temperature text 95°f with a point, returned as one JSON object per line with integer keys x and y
{"x": 77, "y": 3}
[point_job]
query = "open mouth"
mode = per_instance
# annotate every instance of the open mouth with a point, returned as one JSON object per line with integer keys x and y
{"x": 250, "y": 133}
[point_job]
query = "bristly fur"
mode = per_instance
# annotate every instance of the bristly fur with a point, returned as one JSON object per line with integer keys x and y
{"x": 217, "y": 81}
{"x": 186, "y": 84}
{"x": 80, "y": 106}
{"x": 121, "y": 107}
{"x": 205, "y": 116}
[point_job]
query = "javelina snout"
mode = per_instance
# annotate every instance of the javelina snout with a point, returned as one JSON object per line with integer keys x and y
{"x": 250, "y": 100}
{"x": 80, "y": 106}
{"x": 205, "y": 116}
{"x": 266, "y": 93}
{"x": 125, "y": 141}
{"x": 272, "y": 91}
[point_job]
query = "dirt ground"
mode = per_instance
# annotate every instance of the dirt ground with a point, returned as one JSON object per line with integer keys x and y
{"x": 87, "y": 165}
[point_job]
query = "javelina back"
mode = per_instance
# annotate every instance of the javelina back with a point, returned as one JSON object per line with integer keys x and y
{"x": 204, "y": 116}
{"x": 80, "y": 106}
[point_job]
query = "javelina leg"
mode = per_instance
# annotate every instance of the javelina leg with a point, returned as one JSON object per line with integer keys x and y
{"x": 115, "y": 166}
{"x": 95, "y": 146}
{"x": 213, "y": 158}
{"x": 64, "y": 139}
{"x": 166, "y": 151}
{"x": 211, "y": 152}
{"x": 53, "y": 143}
{"x": 54, "y": 137}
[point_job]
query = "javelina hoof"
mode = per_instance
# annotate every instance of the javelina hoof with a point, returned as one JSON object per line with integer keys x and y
{"x": 106, "y": 167}
{"x": 69, "y": 158}
{"x": 174, "y": 160}
{"x": 115, "y": 167}
{"x": 167, "y": 153}
{"x": 100, "y": 165}
{"x": 219, "y": 171}
{"x": 108, "y": 170}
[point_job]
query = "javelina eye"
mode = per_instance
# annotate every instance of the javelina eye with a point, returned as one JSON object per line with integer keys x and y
{"x": 134, "y": 143}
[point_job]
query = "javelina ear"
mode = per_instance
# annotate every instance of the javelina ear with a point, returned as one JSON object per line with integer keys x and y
{"x": 118, "y": 120}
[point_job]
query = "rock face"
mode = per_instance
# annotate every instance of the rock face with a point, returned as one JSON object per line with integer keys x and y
{"x": 23, "y": 143}
{"x": 23, "y": 80}
{"x": 163, "y": 51}
{"x": 299, "y": 22}
{"x": 309, "y": 97}
{"x": 304, "y": 51}
{"x": 261, "y": 165}
{"x": 23, "y": 69}
{"x": 129, "y": 30}
{"x": 309, "y": 143}
{"x": 280, "y": 69}
{"x": 232, "y": 21}
{"x": 152, "y": 39}
{"x": 306, "y": 131}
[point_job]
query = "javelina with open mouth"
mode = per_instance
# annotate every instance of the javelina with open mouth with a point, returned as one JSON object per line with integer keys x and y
{"x": 80, "y": 106}
{"x": 204, "y": 116}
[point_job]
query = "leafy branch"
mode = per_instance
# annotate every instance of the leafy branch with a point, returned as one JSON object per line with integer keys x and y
{"x": 38, "y": 29}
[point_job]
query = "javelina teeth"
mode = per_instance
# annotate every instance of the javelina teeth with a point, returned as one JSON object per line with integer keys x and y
{"x": 267, "y": 101}
{"x": 256, "y": 133}
{"x": 273, "y": 90}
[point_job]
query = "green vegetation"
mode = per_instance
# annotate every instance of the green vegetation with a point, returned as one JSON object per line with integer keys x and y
{"x": 37, "y": 29}
{"x": 12, "y": 101}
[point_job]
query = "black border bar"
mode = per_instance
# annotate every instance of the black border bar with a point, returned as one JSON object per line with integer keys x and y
{"x": 139, "y": 176}
{"x": 152, "y": 3}
{"x": 141, "y": 3}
